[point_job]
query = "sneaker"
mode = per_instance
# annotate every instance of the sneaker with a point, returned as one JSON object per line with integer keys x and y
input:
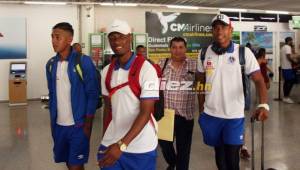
{"x": 288, "y": 100}
{"x": 244, "y": 153}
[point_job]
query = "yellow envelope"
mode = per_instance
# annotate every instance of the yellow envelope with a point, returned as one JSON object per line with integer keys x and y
{"x": 166, "y": 125}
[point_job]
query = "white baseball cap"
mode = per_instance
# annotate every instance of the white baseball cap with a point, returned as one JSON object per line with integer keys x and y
{"x": 222, "y": 18}
{"x": 119, "y": 26}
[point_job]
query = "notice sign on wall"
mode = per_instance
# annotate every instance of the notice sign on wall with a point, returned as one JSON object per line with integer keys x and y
{"x": 163, "y": 26}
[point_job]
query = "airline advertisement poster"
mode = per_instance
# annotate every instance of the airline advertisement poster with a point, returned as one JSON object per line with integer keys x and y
{"x": 163, "y": 26}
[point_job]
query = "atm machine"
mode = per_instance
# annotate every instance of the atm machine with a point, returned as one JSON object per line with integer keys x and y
{"x": 17, "y": 84}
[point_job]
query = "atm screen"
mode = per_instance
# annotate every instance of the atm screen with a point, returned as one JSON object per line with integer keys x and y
{"x": 18, "y": 68}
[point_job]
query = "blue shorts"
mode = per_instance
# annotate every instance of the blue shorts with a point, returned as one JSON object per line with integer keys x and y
{"x": 218, "y": 131}
{"x": 131, "y": 161}
{"x": 71, "y": 145}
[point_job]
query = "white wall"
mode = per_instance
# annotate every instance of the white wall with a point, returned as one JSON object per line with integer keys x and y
{"x": 40, "y": 20}
{"x": 87, "y": 24}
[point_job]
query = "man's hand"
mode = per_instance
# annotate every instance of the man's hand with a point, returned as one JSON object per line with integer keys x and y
{"x": 87, "y": 127}
{"x": 111, "y": 155}
{"x": 261, "y": 114}
{"x": 268, "y": 85}
{"x": 87, "y": 131}
{"x": 200, "y": 79}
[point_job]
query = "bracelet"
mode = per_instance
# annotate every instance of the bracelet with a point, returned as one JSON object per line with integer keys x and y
{"x": 265, "y": 106}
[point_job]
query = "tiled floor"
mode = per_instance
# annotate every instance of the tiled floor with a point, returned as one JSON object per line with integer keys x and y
{"x": 25, "y": 142}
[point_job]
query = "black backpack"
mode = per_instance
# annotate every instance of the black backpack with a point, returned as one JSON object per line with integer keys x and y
{"x": 245, "y": 77}
{"x": 79, "y": 71}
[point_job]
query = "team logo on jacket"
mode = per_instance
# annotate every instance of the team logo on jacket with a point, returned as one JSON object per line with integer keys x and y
{"x": 231, "y": 59}
{"x": 209, "y": 67}
{"x": 209, "y": 64}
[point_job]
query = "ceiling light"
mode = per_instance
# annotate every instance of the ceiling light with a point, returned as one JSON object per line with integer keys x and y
{"x": 182, "y": 7}
{"x": 106, "y": 4}
{"x": 236, "y": 18}
{"x": 126, "y": 4}
{"x": 245, "y": 18}
{"x": 44, "y": 3}
{"x": 233, "y": 10}
{"x": 277, "y": 12}
{"x": 267, "y": 18}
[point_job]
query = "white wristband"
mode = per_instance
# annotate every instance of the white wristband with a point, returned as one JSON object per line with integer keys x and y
{"x": 265, "y": 106}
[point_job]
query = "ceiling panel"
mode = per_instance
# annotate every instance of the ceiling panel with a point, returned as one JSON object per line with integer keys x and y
{"x": 282, "y": 5}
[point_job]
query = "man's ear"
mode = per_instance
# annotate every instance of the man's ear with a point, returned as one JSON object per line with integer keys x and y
{"x": 130, "y": 40}
{"x": 70, "y": 40}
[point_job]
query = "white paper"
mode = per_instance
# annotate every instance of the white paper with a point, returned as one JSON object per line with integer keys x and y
{"x": 96, "y": 40}
{"x": 140, "y": 39}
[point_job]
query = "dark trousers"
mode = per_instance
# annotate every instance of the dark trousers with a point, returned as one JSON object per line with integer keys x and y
{"x": 287, "y": 87}
{"x": 183, "y": 131}
{"x": 228, "y": 157}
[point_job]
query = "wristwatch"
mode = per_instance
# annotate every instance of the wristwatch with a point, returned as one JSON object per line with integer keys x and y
{"x": 122, "y": 146}
{"x": 265, "y": 106}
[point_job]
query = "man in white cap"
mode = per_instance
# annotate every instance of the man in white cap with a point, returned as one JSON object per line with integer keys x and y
{"x": 222, "y": 108}
{"x": 130, "y": 139}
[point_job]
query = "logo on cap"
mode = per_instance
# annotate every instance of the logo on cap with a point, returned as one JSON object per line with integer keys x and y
{"x": 220, "y": 17}
{"x": 119, "y": 26}
{"x": 223, "y": 18}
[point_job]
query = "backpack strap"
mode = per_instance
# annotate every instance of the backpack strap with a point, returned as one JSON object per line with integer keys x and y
{"x": 133, "y": 77}
{"x": 133, "y": 83}
{"x": 78, "y": 66}
{"x": 49, "y": 65}
{"x": 108, "y": 119}
{"x": 242, "y": 56}
{"x": 115, "y": 89}
{"x": 165, "y": 65}
{"x": 242, "y": 63}
{"x": 109, "y": 74}
{"x": 134, "y": 74}
{"x": 202, "y": 54}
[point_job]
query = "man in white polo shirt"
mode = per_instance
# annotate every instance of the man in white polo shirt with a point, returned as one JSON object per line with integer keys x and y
{"x": 222, "y": 117}
{"x": 288, "y": 73}
{"x": 130, "y": 139}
